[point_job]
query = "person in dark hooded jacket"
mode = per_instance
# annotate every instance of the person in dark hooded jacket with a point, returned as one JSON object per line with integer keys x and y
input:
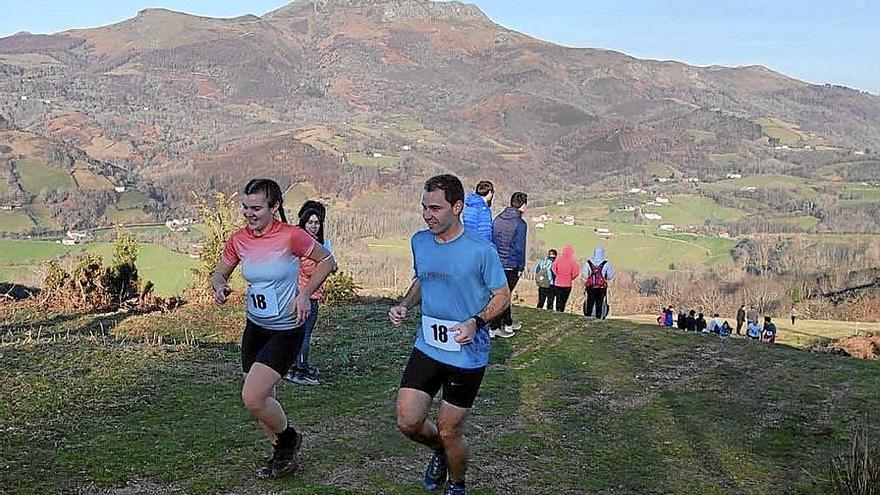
{"x": 509, "y": 236}
{"x": 477, "y": 214}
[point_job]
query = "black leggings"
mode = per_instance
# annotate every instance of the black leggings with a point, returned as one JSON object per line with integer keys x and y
{"x": 562, "y": 294}
{"x": 595, "y": 298}
{"x": 547, "y": 294}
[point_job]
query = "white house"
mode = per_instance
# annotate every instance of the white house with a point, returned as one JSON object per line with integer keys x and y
{"x": 601, "y": 230}
{"x": 406, "y": 147}
{"x": 636, "y": 190}
{"x": 667, "y": 226}
{"x": 734, "y": 176}
{"x": 560, "y": 203}
{"x": 653, "y": 216}
{"x": 119, "y": 189}
{"x": 661, "y": 201}
{"x": 376, "y": 154}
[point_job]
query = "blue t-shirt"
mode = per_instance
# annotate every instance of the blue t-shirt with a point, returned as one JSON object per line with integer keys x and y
{"x": 456, "y": 280}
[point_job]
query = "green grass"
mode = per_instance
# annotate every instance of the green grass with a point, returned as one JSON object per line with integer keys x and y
{"x": 785, "y": 132}
{"x": 14, "y": 221}
{"x": 724, "y": 159}
{"x": 20, "y": 261}
{"x": 43, "y": 216}
{"x": 169, "y": 271}
{"x": 126, "y": 216}
{"x": 363, "y": 160}
{"x": 132, "y": 198}
{"x": 623, "y": 408}
{"x": 804, "y": 222}
{"x": 643, "y": 253}
{"x": 798, "y": 185}
{"x": 34, "y": 177}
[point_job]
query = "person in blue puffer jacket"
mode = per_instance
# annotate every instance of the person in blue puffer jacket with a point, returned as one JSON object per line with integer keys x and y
{"x": 477, "y": 213}
{"x": 509, "y": 236}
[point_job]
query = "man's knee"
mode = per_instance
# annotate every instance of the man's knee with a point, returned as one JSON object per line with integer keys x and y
{"x": 409, "y": 425}
{"x": 449, "y": 431}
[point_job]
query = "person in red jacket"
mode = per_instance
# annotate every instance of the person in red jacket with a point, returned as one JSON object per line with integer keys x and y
{"x": 565, "y": 271}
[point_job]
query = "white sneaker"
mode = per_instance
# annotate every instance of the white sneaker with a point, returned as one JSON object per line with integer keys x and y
{"x": 492, "y": 333}
{"x": 515, "y": 327}
{"x": 504, "y": 333}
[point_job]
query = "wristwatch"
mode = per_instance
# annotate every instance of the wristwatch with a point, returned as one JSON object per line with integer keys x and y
{"x": 479, "y": 322}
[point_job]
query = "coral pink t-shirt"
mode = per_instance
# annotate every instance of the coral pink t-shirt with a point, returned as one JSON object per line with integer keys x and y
{"x": 270, "y": 264}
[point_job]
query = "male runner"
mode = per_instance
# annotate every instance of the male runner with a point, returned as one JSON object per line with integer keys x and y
{"x": 460, "y": 283}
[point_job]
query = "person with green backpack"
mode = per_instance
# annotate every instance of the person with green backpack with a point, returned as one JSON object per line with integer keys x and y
{"x": 544, "y": 280}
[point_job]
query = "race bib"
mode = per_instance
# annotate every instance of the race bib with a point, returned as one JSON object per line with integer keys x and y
{"x": 438, "y": 333}
{"x": 262, "y": 301}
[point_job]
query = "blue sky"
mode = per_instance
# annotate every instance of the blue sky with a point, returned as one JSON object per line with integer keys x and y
{"x": 819, "y": 41}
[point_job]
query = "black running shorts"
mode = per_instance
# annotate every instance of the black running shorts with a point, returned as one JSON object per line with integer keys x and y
{"x": 460, "y": 385}
{"x": 276, "y": 349}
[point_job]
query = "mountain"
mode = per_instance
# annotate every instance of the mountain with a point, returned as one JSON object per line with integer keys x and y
{"x": 354, "y": 95}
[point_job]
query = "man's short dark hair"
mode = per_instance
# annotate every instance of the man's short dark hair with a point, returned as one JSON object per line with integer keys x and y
{"x": 767, "y": 319}
{"x": 518, "y": 199}
{"x": 452, "y": 189}
{"x": 484, "y": 187}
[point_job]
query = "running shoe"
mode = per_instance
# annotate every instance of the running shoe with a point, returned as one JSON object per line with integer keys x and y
{"x": 286, "y": 451}
{"x": 504, "y": 332}
{"x": 307, "y": 379}
{"x": 453, "y": 489}
{"x": 435, "y": 473}
{"x": 516, "y": 327}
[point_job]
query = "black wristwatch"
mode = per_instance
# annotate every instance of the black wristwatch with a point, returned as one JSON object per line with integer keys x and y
{"x": 480, "y": 323}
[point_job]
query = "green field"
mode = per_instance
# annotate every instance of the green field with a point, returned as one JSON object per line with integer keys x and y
{"x": 132, "y": 198}
{"x": 14, "y": 221}
{"x": 21, "y": 262}
{"x": 683, "y": 210}
{"x": 34, "y": 177}
{"x": 363, "y": 160}
{"x": 621, "y": 408}
{"x": 798, "y": 185}
{"x": 645, "y": 253}
{"x": 126, "y": 216}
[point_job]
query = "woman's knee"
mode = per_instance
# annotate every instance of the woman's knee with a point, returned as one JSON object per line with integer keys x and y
{"x": 253, "y": 400}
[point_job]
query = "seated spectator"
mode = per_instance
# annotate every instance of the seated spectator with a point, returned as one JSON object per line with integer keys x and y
{"x": 682, "y": 319}
{"x": 769, "y": 333}
{"x": 661, "y": 319}
{"x": 725, "y": 331}
{"x": 701, "y": 323}
{"x": 715, "y": 324}
{"x": 690, "y": 323}
{"x": 754, "y": 331}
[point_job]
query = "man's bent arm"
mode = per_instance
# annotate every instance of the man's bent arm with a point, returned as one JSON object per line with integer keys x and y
{"x": 413, "y": 295}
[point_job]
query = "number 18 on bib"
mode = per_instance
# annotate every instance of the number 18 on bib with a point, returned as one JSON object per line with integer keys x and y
{"x": 262, "y": 301}
{"x": 438, "y": 333}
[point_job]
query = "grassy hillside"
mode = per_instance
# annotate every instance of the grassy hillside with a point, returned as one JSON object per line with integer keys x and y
{"x": 622, "y": 408}
{"x": 637, "y": 251}
{"x": 21, "y": 262}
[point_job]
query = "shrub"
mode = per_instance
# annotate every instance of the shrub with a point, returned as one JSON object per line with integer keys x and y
{"x": 221, "y": 218}
{"x": 340, "y": 288}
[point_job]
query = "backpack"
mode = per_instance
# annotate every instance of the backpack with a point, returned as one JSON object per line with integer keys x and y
{"x": 542, "y": 278}
{"x": 596, "y": 280}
